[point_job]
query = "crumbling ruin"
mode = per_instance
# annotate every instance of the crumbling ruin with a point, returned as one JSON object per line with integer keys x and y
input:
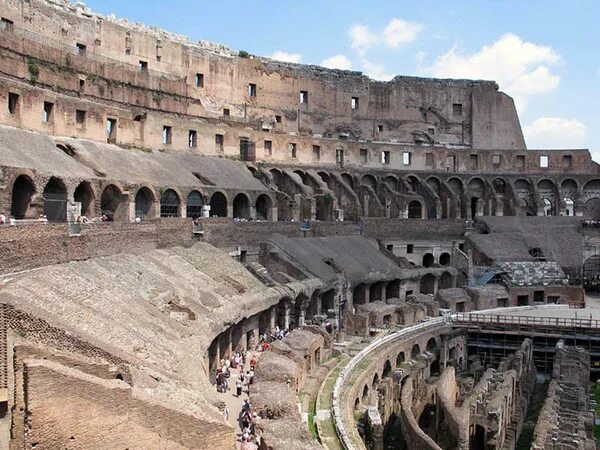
{"x": 402, "y": 267}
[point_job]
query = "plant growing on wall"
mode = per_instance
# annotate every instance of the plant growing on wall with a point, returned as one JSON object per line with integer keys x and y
{"x": 34, "y": 70}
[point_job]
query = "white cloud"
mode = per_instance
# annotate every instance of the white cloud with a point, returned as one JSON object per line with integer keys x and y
{"x": 376, "y": 71}
{"x": 396, "y": 33}
{"x": 337, "y": 62}
{"x": 286, "y": 57}
{"x": 555, "y": 132}
{"x": 521, "y": 68}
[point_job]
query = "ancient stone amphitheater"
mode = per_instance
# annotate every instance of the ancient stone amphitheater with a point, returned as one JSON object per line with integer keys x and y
{"x": 403, "y": 271}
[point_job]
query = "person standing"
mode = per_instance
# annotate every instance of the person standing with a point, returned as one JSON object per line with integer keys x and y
{"x": 238, "y": 387}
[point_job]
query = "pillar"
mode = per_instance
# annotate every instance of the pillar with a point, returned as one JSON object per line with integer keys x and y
{"x": 230, "y": 209}
{"x": 274, "y": 214}
{"x": 273, "y": 317}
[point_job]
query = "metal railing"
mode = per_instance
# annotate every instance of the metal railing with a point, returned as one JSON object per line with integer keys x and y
{"x": 528, "y": 321}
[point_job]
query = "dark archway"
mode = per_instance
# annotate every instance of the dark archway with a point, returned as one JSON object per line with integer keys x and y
{"x": 400, "y": 359}
{"x": 415, "y": 351}
{"x": 144, "y": 204}
{"x": 392, "y": 290}
{"x": 428, "y": 260}
{"x": 387, "y": 369}
{"x": 55, "y": 200}
{"x": 22, "y": 193}
{"x": 170, "y": 204}
{"x": 444, "y": 259}
{"x": 428, "y": 284}
{"x": 359, "y": 296}
{"x": 477, "y": 438}
{"x": 415, "y": 210}
{"x": 241, "y": 207}
{"x": 111, "y": 202}
{"x": 375, "y": 380}
{"x": 218, "y": 205}
{"x": 264, "y": 207}
{"x": 85, "y": 195}
{"x": 194, "y": 203}
{"x": 446, "y": 281}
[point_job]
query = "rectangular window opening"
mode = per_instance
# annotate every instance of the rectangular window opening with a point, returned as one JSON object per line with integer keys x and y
{"x": 385, "y": 157}
{"x": 13, "y": 103}
{"x": 457, "y": 109}
{"x": 474, "y": 160}
{"x": 429, "y": 160}
{"x": 167, "y": 135}
{"x": 520, "y": 161}
{"x": 111, "y": 130}
{"x": 6, "y": 24}
{"x": 80, "y": 117}
{"x": 143, "y": 66}
{"x": 252, "y": 90}
{"x": 219, "y": 142}
{"x": 293, "y": 149}
{"x": 544, "y": 161}
{"x": 268, "y": 146}
{"x": 410, "y": 249}
{"x": 407, "y": 158}
{"x": 502, "y": 302}
{"x": 354, "y": 103}
{"x": 304, "y": 97}
{"x": 390, "y": 248}
{"x": 317, "y": 152}
{"x": 226, "y": 112}
{"x": 380, "y": 128}
{"x": 48, "y": 109}
{"x": 81, "y": 84}
{"x": 364, "y": 155}
{"x": 200, "y": 80}
{"x": 81, "y": 49}
{"x": 496, "y": 159}
{"x": 277, "y": 119}
{"x": 567, "y": 161}
{"x": 192, "y": 139}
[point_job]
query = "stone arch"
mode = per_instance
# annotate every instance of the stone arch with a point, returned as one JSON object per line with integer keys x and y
{"x": 144, "y": 203}
{"x": 431, "y": 345}
{"x": 415, "y": 210}
{"x": 569, "y": 185}
{"x": 113, "y": 203}
{"x": 84, "y": 194}
{"x": 445, "y": 259}
{"x": 365, "y": 393}
{"x": 476, "y": 184}
{"x": 592, "y": 186}
{"x": 391, "y": 182}
{"x": 499, "y": 185}
{"x": 375, "y": 380}
{"x": 400, "y": 359}
{"x": 359, "y": 295}
{"x": 241, "y": 206}
{"x": 193, "y": 205}
{"x": 546, "y": 184}
{"x": 55, "y": 200}
{"x": 456, "y": 185}
{"x": 348, "y": 179}
{"x": 413, "y": 183}
{"x": 428, "y": 260}
{"x": 264, "y": 207}
{"x": 369, "y": 180}
{"x": 23, "y": 190}
{"x": 170, "y": 204}
{"x": 387, "y": 369}
{"x": 446, "y": 281}
{"x": 427, "y": 284}
{"x": 434, "y": 184}
{"x": 415, "y": 351}
{"x": 218, "y": 205}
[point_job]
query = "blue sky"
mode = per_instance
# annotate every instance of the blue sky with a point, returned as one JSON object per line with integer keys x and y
{"x": 542, "y": 53}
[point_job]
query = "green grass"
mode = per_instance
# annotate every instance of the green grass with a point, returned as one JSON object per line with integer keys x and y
{"x": 312, "y": 412}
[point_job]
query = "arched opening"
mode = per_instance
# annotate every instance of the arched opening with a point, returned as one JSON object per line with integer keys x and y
{"x": 387, "y": 369}
{"x": 85, "y": 195}
{"x": 112, "y": 203}
{"x": 194, "y": 203}
{"x": 415, "y": 210}
{"x": 499, "y": 186}
{"x": 218, "y": 205}
{"x": 569, "y": 207}
{"x": 428, "y": 260}
{"x": 592, "y": 209}
{"x": 427, "y": 420}
{"x": 474, "y": 204}
{"x": 477, "y": 438}
{"x": 55, "y": 200}
{"x": 365, "y": 394}
{"x": 431, "y": 345}
{"x": 264, "y": 207}
{"x": 391, "y": 182}
{"x": 428, "y": 284}
{"x": 170, "y": 204}
{"x": 375, "y": 292}
{"x": 22, "y": 192}
{"x": 392, "y": 290}
{"x": 348, "y": 179}
{"x": 444, "y": 259}
{"x": 144, "y": 204}
{"x": 356, "y": 403}
{"x": 415, "y": 351}
{"x": 569, "y": 185}
{"x": 400, "y": 359}
{"x": 369, "y": 180}
{"x": 241, "y": 207}
{"x": 434, "y": 184}
{"x": 359, "y": 297}
{"x": 375, "y": 380}
{"x": 446, "y": 281}
{"x": 547, "y": 205}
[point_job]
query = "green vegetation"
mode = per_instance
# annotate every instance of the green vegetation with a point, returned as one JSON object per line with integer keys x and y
{"x": 312, "y": 412}
{"x": 243, "y": 54}
{"x": 34, "y": 70}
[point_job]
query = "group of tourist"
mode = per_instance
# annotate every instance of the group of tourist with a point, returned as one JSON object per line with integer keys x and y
{"x": 237, "y": 360}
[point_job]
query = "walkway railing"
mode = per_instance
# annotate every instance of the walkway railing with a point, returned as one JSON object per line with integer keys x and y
{"x": 527, "y": 321}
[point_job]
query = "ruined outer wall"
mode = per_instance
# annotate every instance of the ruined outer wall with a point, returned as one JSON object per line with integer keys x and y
{"x": 406, "y": 109}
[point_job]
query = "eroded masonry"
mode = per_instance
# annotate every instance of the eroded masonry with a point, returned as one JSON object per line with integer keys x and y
{"x": 385, "y": 264}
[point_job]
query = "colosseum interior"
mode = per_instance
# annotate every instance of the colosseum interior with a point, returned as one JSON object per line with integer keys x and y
{"x": 385, "y": 263}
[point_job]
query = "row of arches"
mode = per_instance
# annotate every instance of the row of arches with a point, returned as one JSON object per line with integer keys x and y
{"x": 113, "y": 202}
